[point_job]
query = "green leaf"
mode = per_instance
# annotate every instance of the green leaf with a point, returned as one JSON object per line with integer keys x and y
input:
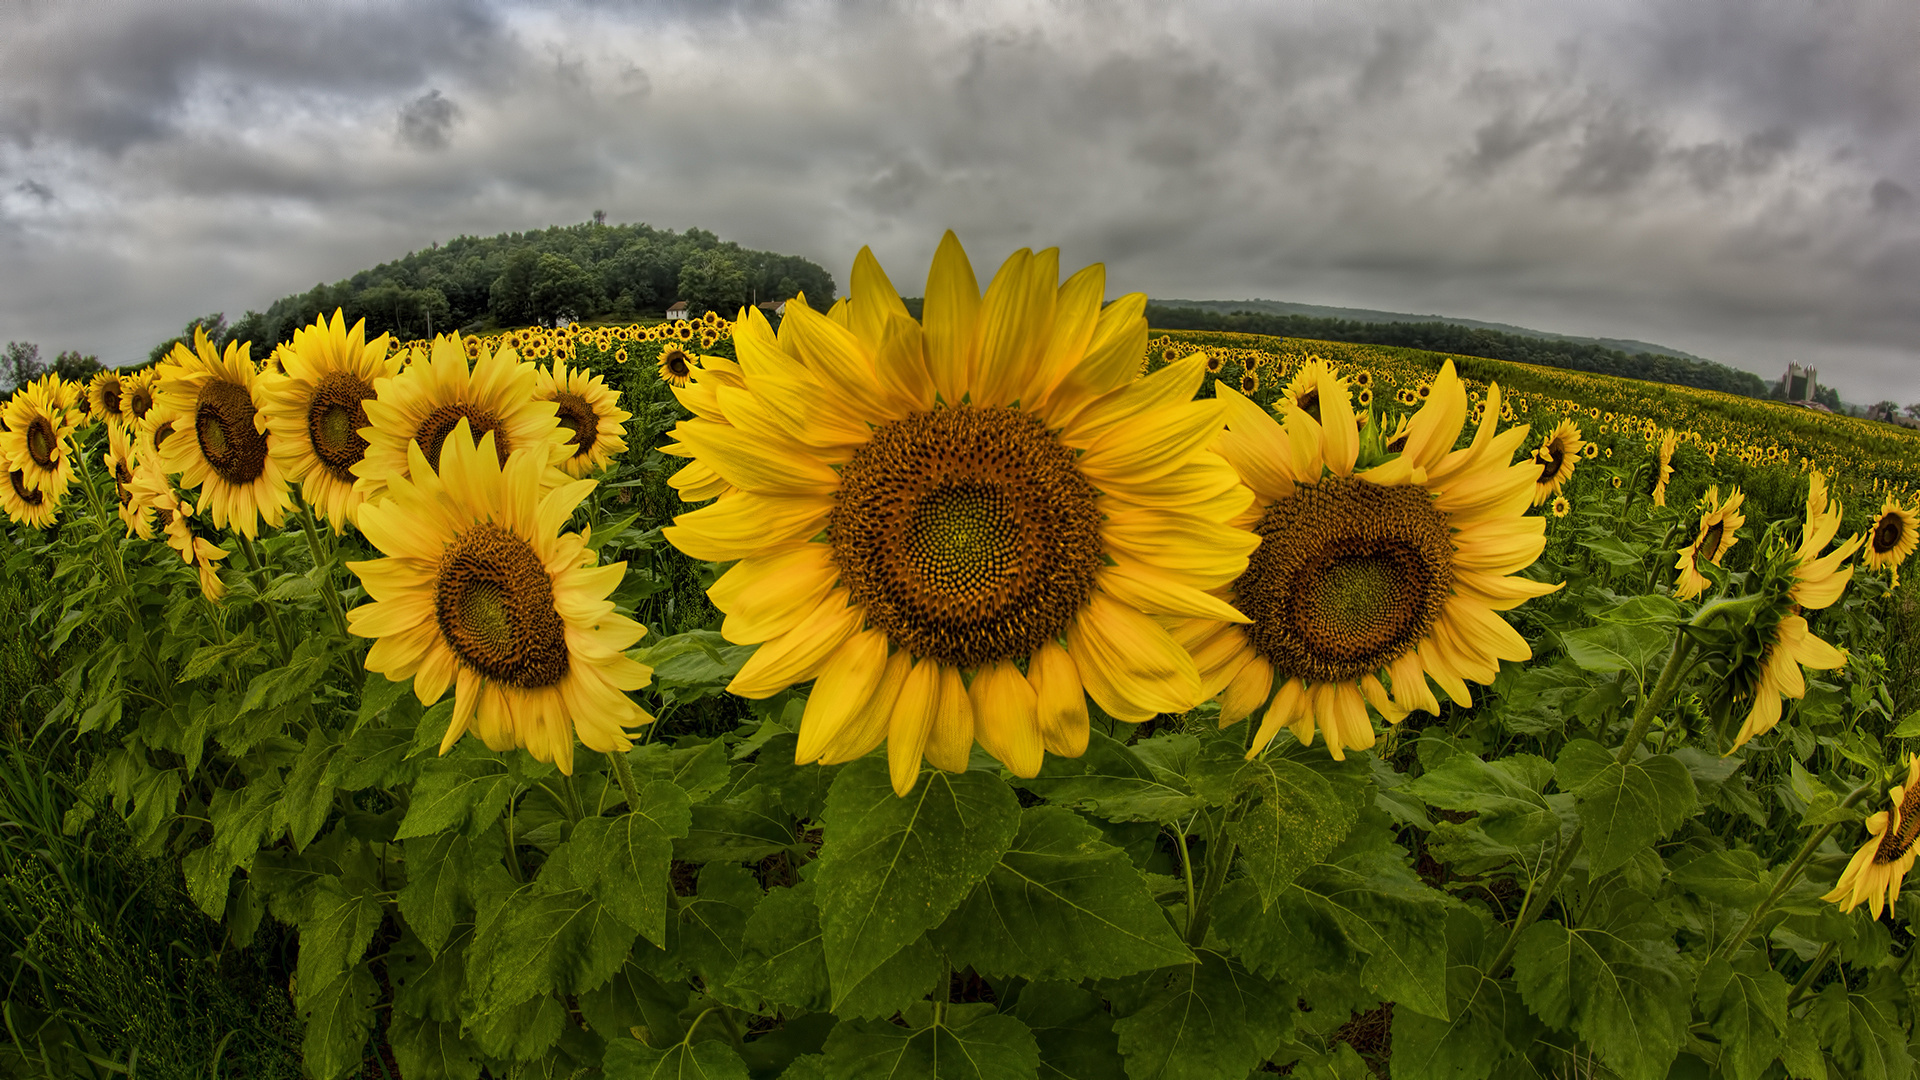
{"x": 1802, "y": 1057}
{"x": 970, "y": 1043}
{"x": 374, "y": 757}
{"x": 783, "y": 961}
{"x": 1624, "y": 809}
{"x": 231, "y": 654}
{"x": 1198, "y": 1021}
{"x": 1908, "y": 728}
{"x": 426, "y": 984}
{"x": 309, "y": 795}
{"x": 1615, "y": 552}
{"x": 1297, "y": 816}
{"x": 1862, "y": 1031}
{"x": 696, "y": 664}
{"x": 631, "y": 1059}
{"x": 631, "y": 999}
{"x": 1613, "y": 646}
{"x": 1746, "y": 1005}
{"x": 623, "y": 861}
{"x": 338, "y": 1018}
{"x": 892, "y": 868}
{"x": 709, "y": 927}
{"x": 1110, "y": 781}
{"x": 519, "y": 1032}
{"x": 1062, "y": 903}
{"x": 427, "y": 1049}
{"x": 800, "y": 790}
{"x": 334, "y": 936}
{"x": 241, "y": 821}
{"x": 742, "y": 830}
{"x": 700, "y": 768}
{"x": 1484, "y": 1010}
{"x": 1074, "y": 1032}
{"x": 1504, "y": 794}
{"x": 440, "y": 872}
{"x": 463, "y": 790}
{"x": 547, "y": 937}
{"x": 378, "y": 694}
{"x": 1617, "y": 985}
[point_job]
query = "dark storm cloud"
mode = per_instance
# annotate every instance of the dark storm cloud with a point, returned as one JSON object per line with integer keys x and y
{"x": 1732, "y": 179}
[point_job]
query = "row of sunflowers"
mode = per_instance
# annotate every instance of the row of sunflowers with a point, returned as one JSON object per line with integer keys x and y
{"x": 1012, "y": 544}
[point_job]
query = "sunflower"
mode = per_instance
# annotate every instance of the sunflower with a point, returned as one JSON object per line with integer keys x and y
{"x": 317, "y": 407}
{"x": 1303, "y": 391}
{"x": 225, "y": 449}
{"x": 589, "y": 412}
{"x": 481, "y": 591}
{"x": 1815, "y": 581}
{"x": 1214, "y": 360}
{"x": 1616, "y": 482}
{"x": 1398, "y": 569}
{"x": 696, "y": 481}
{"x": 1560, "y": 506}
{"x": 1718, "y": 525}
{"x": 427, "y": 401}
{"x": 119, "y": 462}
{"x": 920, "y": 502}
{"x": 1892, "y": 538}
{"x": 107, "y": 396}
{"x": 1250, "y": 381}
{"x": 1663, "y": 467}
{"x": 1876, "y": 871}
{"x": 1556, "y": 459}
{"x": 152, "y": 495}
{"x": 25, "y": 505}
{"x": 677, "y": 365}
{"x": 37, "y": 438}
{"x": 137, "y": 389}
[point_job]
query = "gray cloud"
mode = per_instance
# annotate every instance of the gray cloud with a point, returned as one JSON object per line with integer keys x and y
{"x": 1728, "y": 179}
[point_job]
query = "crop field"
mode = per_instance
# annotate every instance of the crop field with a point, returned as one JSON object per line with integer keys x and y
{"x": 1008, "y": 691}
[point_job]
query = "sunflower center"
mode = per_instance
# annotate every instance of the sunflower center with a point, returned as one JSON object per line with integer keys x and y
{"x": 41, "y": 442}
{"x": 19, "y": 482}
{"x": 139, "y": 402}
{"x": 122, "y": 477}
{"x": 224, "y": 423}
{"x": 433, "y": 431}
{"x": 1551, "y": 460}
{"x": 967, "y": 534}
{"x": 1309, "y": 403}
{"x": 578, "y": 417}
{"x": 494, "y": 603}
{"x": 1710, "y": 541}
{"x": 110, "y": 398}
{"x": 334, "y": 419}
{"x": 675, "y": 363}
{"x": 1349, "y": 576}
{"x": 1887, "y": 533}
{"x": 1895, "y": 843}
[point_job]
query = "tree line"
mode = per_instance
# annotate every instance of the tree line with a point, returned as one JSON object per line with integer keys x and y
{"x": 1471, "y": 341}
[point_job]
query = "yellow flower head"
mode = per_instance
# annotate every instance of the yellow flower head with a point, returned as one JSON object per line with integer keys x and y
{"x": 37, "y": 438}
{"x": 1307, "y": 389}
{"x": 152, "y": 495}
{"x": 222, "y": 445}
{"x": 1719, "y": 522}
{"x": 590, "y": 416}
{"x": 317, "y": 407}
{"x": 107, "y": 396}
{"x": 1876, "y": 871}
{"x": 987, "y": 492}
{"x": 1560, "y": 506}
{"x": 1663, "y": 467}
{"x": 1892, "y": 538}
{"x": 1398, "y": 570}
{"x": 481, "y": 591}
{"x": 1556, "y": 459}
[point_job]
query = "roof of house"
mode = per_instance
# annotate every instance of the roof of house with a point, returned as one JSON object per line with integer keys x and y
{"x": 677, "y": 305}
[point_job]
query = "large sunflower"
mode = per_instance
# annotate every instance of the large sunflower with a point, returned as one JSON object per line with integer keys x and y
{"x": 988, "y": 495}
{"x": 1814, "y": 581}
{"x": 1398, "y": 569}
{"x": 1894, "y": 535}
{"x": 482, "y": 592}
{"x": 589, "y": 413}
{"x": 107, "y": 395}
{"x": 1555, "y": 460}
{"x": 318, "y": 406}
{"x": 1663, "y": 466}
{"x": 425, "y": 402}
{"x": 1876, "y": 871}
{"x": 222, "y": 445}
{"x": 25, "y": 505}
{"x": 37, "y": 438}
{"x": 1719, "y": 522}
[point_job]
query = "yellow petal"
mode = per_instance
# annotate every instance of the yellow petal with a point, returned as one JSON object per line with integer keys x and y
{"x": 951, "y": 318}
{"x": 911, "y": 723}
{"x": 1005, "y": 718}
{"x": 1060, "y": 700}
{"x": 797, "y": 655}
{"x": 764, "y": 596}
{"x": 743, "y": 524}
{"x": 1016, "y": 321}
{"x": 1158, "y": 592}
{"x": 1130, "y": 665}
{"x": 849, "y": 679}
{"x": 950, "y": 740}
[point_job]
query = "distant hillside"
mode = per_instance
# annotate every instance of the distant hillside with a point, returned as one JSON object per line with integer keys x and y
{"x": 567, "y": 271}
{"x": 1455, "y": 336}
{"x": 1368, "y": 315}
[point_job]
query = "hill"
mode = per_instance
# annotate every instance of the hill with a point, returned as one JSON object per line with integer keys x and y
{"x": 585, "y": 271}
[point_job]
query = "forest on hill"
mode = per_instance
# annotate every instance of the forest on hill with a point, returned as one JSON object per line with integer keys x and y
{"x": 586, "y": 271}
{"x": 1472, "y": 341}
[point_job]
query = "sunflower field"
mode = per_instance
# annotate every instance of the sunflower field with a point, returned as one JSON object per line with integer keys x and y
{"x": 989, "y": 689}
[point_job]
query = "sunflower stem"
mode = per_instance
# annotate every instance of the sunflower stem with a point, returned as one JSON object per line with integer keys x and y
{"x": 624, "y": 773}
{"x": 1186, "y": 871}
{"x": 1789, "y": 876}
{"x": 325, "y": 566}
{"x": 1813, "y": 971}
{"x": 1663, "y": 689}
{"x": 1220, "y": 852}
{"x": 256, "y": 572}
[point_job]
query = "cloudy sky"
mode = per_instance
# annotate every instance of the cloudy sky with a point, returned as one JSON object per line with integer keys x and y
{"x": 1736, "y": 178}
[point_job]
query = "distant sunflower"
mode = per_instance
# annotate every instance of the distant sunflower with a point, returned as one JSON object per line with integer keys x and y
{"x": 1616, "y": 482}
{"x": 152, "y": 493}
{"x": 317, "y": 408}
{"x": 1398, "y": 570}
{"x": 1250, "y": 381}
{"x": 1556, "y": 459}
{"x": 677, "y": 365}
{"x": 119, "y": 462}
{"x": 37, "y": 438}
{"x": 138, "y": 391}
{"x": 107, "y": 396}
{"x": 919, "y": 501}
{"x": 1816, "y": 581}
{"x": 1560, "y": 506}
{"x": 1875, "y": 873}
{"x": 1214, "y": 360}
{"x": 590, "y": 416}
{"x": 24, "y": 505}
{"x": 1892, "y": 538}
{"x": 223, "y": 447}
{"x": 1719, "y": 523}
{"x": 1663, "y": 467}
{"x": 1304, "y": 390}
{"x": 427, "y": 401}
{"x": 482, "y": 592}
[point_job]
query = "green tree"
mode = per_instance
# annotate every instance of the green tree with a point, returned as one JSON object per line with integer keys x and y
{"x": 714, "y": 280}
{"x": 73, "y": 366}
{"x": 561, "y": 289}
{"x": 21, "y": 364}
{"x": 511, "y": 297}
